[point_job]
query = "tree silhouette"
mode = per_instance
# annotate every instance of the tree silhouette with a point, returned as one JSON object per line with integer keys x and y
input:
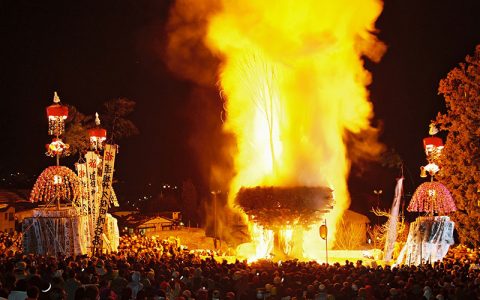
{"x": 114, "y": 118}
{"x": 76, "y": 130}
{"x": 461, "y": 156}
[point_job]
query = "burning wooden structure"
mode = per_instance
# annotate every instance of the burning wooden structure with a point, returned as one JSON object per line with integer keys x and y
{"x": 281, "y": 214}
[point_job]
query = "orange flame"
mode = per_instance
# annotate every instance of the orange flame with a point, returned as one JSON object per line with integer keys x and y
{"x": 294, "y": 80}
{"x": 293, "y": 76}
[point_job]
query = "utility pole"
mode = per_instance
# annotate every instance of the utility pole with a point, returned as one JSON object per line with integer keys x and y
{"x": 215, "y": 234}
{"x": 323, "y": 230}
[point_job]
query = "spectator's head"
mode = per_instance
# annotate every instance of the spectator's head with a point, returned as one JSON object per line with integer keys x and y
{"x": 427, "y": 292}
{"x": 394, "y": 292}
{"x": 3, "y": 293}
{"x": 91, "y": 292}
{"x": 100, "y": 268}
{"x": 202, "y": 294}
{"x": 187, "y": 294}
{"x": 57, "y": 294}
{"x": 141, "y": 295}
{"x": 21, "y": 285}
{"x": 126, "y": 294}
{"x": 20, "y": 266}
{"x": 33, "y": 292}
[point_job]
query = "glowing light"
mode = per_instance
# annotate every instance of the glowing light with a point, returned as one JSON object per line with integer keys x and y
{"x": 97, "y": 135}
{"x": 295, "y": 85}
{"x": 432, "y": 197}
{"x": 57, "y": 147}
{"x": 56, "y": 182}
{"x": 432, "y": 168}
{"x": 57, "y": 114}
{"x": 57, "y": 179}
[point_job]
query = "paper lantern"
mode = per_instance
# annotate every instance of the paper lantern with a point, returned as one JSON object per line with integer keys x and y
{"x": 97, "y": 135}
{"x": 57, "y": 147}
{"x": 57, "y": 114}
{"x": 323, "y": 231}
{"x": 432, "y": 145}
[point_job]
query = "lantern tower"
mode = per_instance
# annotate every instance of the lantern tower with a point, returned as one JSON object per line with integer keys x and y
{"x": 431, "y": 235}
{"x": 57, "y": 225}
{"x": 432, "y": 197}
{"x": 57, "y": 114}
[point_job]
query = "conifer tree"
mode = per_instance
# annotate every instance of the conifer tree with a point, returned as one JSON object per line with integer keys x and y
{"x": 460, "y": 161}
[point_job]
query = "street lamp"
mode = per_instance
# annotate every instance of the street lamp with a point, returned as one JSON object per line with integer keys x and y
{"x": 378, "y": 193}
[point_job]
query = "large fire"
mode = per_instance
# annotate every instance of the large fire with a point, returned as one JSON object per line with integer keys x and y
{"x": 295, "y": 87}
{"x": 294, "y": 81}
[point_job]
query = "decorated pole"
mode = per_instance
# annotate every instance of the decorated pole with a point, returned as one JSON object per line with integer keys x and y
{"x": 57, "y": 114}
{"x": 430, "y": 236}
{"x": 433, "y": 149}
{"x": 106, "y": 195}
{"x": 432, "y": 197}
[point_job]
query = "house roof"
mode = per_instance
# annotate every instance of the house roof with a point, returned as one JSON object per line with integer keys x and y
{"x": 4, "y": 207}
{"x": 355, "y": 217}
{"x": 10, "y": 196}
{"x": 157, "y": 220}
{"x": 137, "y": 220}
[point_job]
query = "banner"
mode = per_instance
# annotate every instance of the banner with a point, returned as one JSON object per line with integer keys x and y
{"x": 392, "y": 222}
{"x": 113, "y": 199}
{"x": 92, "y": 170}
{"x": 84, "y": 191}
{"x": 107, "y": 176}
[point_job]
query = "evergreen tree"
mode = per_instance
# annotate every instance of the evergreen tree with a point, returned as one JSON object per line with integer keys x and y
{"x": 115, "y": 119}
{"x": 460, "y": 161}
{"x": 76, "y": 130}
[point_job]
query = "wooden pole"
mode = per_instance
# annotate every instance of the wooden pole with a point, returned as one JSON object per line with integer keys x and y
{"x": 326, "y": 244}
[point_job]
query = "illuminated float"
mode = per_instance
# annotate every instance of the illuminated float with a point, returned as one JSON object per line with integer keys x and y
{"x": 431, "y": 235}
{"x": 66, "y": 221}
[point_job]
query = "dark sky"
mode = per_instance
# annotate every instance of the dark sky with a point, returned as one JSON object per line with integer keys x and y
{"x": 93, "y": 51}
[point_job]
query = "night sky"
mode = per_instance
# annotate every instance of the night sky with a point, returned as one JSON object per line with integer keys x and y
{"x": 93, "y": 51}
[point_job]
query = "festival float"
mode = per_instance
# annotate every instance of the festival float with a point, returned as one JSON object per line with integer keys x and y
{"x": 431, "y": 235}
{"x": 71, "y": 218}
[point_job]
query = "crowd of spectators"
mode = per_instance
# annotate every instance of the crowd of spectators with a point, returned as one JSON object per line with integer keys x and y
{"x": 10, "y": 241}
{"x": 148, "y": 268}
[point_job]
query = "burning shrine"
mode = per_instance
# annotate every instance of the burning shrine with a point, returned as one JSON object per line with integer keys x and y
{"x": 71, "y": 218}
